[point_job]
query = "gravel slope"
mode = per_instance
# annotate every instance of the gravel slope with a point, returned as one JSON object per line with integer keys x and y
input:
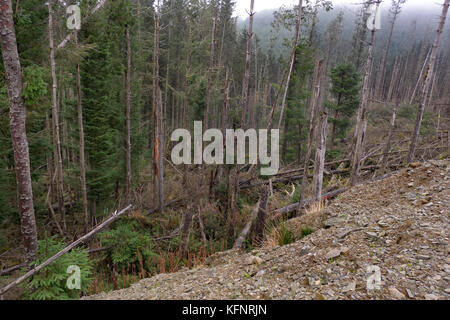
{"x": 399, "y": 224}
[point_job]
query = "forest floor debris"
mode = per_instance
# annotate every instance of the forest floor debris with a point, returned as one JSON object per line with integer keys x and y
{"x": 399, "y": 224}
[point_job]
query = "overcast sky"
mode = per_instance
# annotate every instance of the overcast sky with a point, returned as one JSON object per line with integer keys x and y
{"x": 243, "y": 5}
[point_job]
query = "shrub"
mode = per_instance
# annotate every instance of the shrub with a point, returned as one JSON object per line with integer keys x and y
{"x": 127, "y": 243}
{"x": 51, "y": 282}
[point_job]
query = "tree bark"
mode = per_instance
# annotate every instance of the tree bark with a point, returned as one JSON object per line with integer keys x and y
{"x": 428, "y": 79}
{"x": 320, "y": 156}
{"x": 14, "y": 85}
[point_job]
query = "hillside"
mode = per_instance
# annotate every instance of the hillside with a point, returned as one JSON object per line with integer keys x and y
{"x": 400, "y": 224}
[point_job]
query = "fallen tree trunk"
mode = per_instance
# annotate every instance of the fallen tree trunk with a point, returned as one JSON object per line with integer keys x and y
{"x": 261, "y": 216}
{"x": 328, "y": 173}
{"x": 293, "y": 207}
{"x": 99, "y": 249}
{"x": 116, "y": 215}
{"x": 7, "y": 271}
{"x": 168, "y": 204}
{"x": 240, "y": 240}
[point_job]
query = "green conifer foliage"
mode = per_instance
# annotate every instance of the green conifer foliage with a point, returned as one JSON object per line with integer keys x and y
{"x": 345, "y": 90}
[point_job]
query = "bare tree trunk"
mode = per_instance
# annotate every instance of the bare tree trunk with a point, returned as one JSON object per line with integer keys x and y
{"x": 243, "y": 235}
{"x": 66, "y": 40}
{"x": 428, "y": 79}
{"x": 420, "y": 78}
{"x": 13, "y": 77}
{"x": 50, "y": 207}
{"x": 320, "y": 156}
{"x": 312, "y": 124}
{"x": 384, "y": 160}
{"x": 396, "y": 5}
{"x": 186, "y": 231}
{"x": 247, "y": 65}
{"x": 299, "y": 151}
{"x": 292, "y": 61}
{"x": 202, "y": 228}
{"x": 186, "y": 78}
{"x": 233, "y": 207}
{"x": 275, "y": 103}
{"x": 166, "y": 87}
{"x": 82, "y": 155}
{"x": 394, "y": 80}
{"x": 210, "y": 69}
{"x": 55, "y": 116}
{"x": 432, "y": 89}
{"x": 158, "y": 153}
{"x": 261, "y": 217}
{"x": 128, "y": 117}
{"x": 361, "y": 117}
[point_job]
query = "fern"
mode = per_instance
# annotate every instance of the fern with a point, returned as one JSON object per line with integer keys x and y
{"x": 51, "y": 282}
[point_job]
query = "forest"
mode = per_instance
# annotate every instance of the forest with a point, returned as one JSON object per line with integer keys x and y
{"x": 91, "y": 92}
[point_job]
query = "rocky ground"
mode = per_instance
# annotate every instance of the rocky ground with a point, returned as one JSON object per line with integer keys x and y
{"x": 399, "y": 225}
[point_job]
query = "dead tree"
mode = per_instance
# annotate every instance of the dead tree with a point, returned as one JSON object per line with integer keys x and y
{"x": 243, "y": 235}
{"x": 211, "y": 67}
{"x": 413, "y": 95}
{"x": 81, "y": 140}
{"x": 55, "y": 116}
{"x": 202, "y": 228}
{"x": 384, "y": 160}
{"x": 395, "y": 11}
{"x": 394, "y": 80}
{"x": 186, "y": 231}
{"x": 299, "y": 151}
{"x": 128, "y": 116}
{"x": 66, "y": 40}
{"x": 312, "y": 124}
{"x": 248, "y": 55}
{"x": 428, "y": 79}
{"x": 262, "y": 215}
{"x": 292, "y": 60}
{"x": 17, "y": 114}
{"x": 158, "y": 148}
{"x": 321, "y": 146}
{"x": 361, "y": 117}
